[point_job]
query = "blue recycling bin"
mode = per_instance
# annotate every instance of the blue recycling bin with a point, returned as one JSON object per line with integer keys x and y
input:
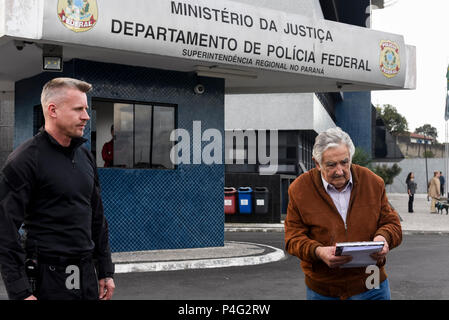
{"x": 245, "y": 200}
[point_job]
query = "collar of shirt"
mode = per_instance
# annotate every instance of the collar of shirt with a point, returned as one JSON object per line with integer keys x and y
{"x": 74, "y": 142}
{"x": 328, "y": 187}
{"x": 340, "y": 198}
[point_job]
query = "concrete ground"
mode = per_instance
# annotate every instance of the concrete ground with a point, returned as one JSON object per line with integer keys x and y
{"x": 421, "y": 220}
{"x": 244, "y": 253}
{"x": 249, "y": 252}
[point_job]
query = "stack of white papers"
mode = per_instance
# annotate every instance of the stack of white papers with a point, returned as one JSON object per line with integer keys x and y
{"x": 360, "y": 252}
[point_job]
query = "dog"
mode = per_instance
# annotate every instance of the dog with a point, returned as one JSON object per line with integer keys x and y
{"x": 440, "y": 206}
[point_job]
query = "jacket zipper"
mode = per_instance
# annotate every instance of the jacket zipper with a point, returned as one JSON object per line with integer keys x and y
{"x": 351, "y": 200}
{"x": 72, "y": 158}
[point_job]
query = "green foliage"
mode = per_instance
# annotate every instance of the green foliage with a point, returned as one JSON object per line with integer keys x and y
{"x": 427, "y": 130}
{"x": 361, "y": 158}
{"x": 428, "y": 154}
{"x": 394, "y": 121}
{"x": 387, "y": 173}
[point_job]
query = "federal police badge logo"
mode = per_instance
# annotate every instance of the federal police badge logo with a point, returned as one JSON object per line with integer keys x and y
{"x": 389, "y": 58}
{"x": 78, "y": 15}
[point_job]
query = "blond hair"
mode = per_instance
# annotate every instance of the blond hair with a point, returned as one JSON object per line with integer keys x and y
{"x": 53, "y": 88}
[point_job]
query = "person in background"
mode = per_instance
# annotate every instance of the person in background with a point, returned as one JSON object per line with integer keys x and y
{"x": 108, "y": 151}
{"x": 411, "y": 189}
{"x": 442, "y": 182}
{"x": 434, "y": 191}
{"x": 338, "y": 201}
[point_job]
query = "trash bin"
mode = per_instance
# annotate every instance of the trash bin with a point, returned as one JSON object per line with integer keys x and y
{"x": 230, "y": 200}
{"x": 245, "y": 200}
{"x": 261, "y": 200}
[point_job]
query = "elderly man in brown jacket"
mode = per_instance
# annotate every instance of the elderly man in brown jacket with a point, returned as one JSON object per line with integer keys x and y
{"x": 434, "y": 191}
{"x": 339, "y": 202}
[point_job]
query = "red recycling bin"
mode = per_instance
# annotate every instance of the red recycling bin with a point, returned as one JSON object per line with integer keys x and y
{"x": 230, "y": 200}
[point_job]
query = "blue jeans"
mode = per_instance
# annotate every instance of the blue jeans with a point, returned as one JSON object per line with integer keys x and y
{"x": 383, "y": 293}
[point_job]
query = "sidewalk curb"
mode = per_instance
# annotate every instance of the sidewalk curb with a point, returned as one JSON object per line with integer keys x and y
{"x": 254, "y": 229}
{"x": 424, "y": 232}
{"x": 404, "y": 232}
{"x": 273, "y": 255}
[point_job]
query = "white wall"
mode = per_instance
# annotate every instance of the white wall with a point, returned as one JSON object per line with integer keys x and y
{"x": 418, "y": 167}
{"x": 6, "y": 125}
{"x": 277, "y": 111}
{"x": 309, "y": 8}
{"x": 24, "y": 18}
{"x": 2, "y": 18}
{"x": 321, "y": 118}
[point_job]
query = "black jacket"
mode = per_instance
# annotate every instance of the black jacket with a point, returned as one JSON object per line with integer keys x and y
{"x": 54, "y": 191}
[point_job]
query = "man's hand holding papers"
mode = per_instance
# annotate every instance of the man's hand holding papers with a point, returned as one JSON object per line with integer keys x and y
{"x": 380, "y": 256}
{"x": 327, "y": 254}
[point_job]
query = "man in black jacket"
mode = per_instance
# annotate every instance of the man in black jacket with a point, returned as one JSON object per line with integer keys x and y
{"x": 50, "y": 184}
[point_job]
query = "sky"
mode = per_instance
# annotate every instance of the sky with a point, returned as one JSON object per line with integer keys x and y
{"x": 425, "y": 25}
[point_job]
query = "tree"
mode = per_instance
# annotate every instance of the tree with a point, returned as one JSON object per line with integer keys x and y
{"x": 428, "y": 154}
{"x": 394, "y": 121}
{"x": 427, "y": 130}
{"x": 387, "y": 173}
{"x": 361, "y": 158}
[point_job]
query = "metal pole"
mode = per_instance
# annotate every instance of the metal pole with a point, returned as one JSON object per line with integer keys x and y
{"x": 446, "y": 156}
{"x": 427, "y": 176}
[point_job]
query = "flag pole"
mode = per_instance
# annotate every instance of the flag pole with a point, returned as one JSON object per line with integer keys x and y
{"x": 446, "y": 118}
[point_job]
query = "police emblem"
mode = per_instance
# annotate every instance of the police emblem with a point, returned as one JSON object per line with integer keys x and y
{"x": 389, "y": 58}
{"x": 78, "y": 15}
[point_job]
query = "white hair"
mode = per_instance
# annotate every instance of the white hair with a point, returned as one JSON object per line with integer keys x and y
{"x": 331, "y": 138}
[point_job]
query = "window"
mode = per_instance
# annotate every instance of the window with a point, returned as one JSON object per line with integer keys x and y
{"x": 136, "y": 135}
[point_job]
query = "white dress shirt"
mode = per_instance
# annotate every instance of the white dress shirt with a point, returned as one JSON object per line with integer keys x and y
{"x": 340, "y": 198}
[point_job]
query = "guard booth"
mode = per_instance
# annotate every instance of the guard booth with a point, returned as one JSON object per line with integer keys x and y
{"x": 160, "y": 71}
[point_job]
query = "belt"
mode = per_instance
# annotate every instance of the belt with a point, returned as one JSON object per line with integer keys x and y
{"x": 64, "y": 261}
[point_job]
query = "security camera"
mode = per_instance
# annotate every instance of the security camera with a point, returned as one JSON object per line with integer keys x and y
{"x": 19, "y": 45}
{"x": 199, "y": 89}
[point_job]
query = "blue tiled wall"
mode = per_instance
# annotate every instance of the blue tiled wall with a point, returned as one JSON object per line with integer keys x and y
{"x": 353, "y": 115}
{"x": 149, "y": 209}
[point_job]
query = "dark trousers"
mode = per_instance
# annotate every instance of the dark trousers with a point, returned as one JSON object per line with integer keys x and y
{"x": 410, "y": 202}
{"x": 66, "y": 281}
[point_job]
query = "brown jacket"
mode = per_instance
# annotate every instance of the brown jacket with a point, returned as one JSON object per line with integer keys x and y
{"x": 313, "y": 220}
{"x": 434, "y": 188}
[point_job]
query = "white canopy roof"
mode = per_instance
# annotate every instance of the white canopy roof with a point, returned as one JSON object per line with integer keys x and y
{"x": 257, "y": 50}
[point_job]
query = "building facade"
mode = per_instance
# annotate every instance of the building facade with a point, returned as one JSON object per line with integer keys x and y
{"x": 299, "y": 117}
{"x": 162, "y": 72}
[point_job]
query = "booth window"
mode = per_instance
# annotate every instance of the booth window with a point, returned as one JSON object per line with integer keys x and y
{"x": 136, "y": 135}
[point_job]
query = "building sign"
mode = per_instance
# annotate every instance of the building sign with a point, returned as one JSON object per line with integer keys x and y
{"x": 78, "y": 15}
{"x": 390, "y": 61}
{"x": 233, "y": 33}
